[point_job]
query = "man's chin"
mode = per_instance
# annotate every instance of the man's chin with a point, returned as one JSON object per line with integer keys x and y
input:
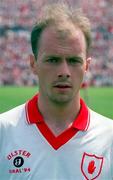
{"x": 61, "y": 99}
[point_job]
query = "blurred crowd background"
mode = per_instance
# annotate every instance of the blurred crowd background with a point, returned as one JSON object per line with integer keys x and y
{"x": 16, "y": 20}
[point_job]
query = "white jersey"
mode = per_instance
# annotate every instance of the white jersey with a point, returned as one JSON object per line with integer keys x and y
{"x": 30, "y": 151}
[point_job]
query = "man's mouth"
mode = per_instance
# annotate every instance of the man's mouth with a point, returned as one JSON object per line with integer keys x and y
{"x": 62, "y": 86}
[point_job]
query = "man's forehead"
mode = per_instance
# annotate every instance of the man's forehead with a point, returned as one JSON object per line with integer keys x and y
{"x": 62, "y": 34}
{"x": 53, "y": 41}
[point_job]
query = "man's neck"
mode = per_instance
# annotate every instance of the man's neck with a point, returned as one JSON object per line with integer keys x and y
{"x": 59, "y": 118}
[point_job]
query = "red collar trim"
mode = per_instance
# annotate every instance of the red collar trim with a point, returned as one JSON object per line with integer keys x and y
{"x": 80, "y": 123}
{"x": 32, "y": 112}
{"x": 33, "y": 115}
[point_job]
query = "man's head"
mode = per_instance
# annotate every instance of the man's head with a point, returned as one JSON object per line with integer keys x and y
{"x": 62, "y": 18}
{"x": 60, "y": 43}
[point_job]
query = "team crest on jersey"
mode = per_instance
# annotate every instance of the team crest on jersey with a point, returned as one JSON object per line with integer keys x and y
{"x": 91, "y": 166}
{"x": 17, "y": 159}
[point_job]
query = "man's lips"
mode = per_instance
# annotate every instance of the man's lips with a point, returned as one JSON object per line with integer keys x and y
{"x": 62, "y": 85}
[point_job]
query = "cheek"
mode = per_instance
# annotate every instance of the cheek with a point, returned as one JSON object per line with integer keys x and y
{"x": 78, "y": 74}
{"x": 45, "y": 75}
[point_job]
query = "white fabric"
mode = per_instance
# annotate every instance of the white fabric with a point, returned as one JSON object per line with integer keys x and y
{"x": 26, "y": 155}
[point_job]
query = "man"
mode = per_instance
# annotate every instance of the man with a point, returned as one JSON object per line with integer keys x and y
{"x": 55, "y": 136}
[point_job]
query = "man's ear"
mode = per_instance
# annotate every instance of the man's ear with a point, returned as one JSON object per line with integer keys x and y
{"x": 33, "y": 63}
{"x": 88, "y": 60}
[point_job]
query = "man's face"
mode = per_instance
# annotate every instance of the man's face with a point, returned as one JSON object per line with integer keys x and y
{"x": 61, "y": 65}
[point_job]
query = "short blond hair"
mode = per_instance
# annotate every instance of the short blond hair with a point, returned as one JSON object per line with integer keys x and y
{"x": 58, "y": 14}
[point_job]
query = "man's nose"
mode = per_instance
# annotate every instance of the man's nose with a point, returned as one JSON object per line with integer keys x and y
{"x": 64, "y": 70}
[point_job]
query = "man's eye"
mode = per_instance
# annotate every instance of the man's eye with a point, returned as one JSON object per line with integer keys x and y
{"x": 74, "y": 60}
{"x": 52, "y": 60}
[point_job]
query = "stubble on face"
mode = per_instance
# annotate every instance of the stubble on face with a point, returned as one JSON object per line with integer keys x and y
{"x": 61, "y": 44}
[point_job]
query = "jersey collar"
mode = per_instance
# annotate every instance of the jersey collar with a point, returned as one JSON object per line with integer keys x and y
{"x": 33, "y": 115}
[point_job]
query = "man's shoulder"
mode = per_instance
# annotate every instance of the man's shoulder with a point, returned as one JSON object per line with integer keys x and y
{"x": 99, "y": 119}
{"x": 12, "y": 115}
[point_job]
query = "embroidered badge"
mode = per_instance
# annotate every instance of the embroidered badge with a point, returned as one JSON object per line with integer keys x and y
{"x": 91, "y": 166}
{"x": 17, "y": 161}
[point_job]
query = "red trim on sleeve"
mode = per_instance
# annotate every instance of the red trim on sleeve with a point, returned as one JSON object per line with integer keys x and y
{"x": 33, "y": 115}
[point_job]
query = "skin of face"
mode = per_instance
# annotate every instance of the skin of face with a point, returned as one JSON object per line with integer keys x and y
{"x": 61, "y": 65}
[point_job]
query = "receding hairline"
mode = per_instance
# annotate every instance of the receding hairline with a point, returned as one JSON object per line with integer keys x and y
{"x": 72, "y": 33}
{"x": 59, "y": 17}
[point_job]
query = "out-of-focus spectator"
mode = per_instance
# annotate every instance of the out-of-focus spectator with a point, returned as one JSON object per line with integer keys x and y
{"x": 16, "y": 19}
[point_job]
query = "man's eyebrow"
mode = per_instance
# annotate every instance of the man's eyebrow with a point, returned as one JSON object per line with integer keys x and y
{"x": 75, "y": 57}
{"x": 79, "y": 58}
{"x": 53, "y": 56}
